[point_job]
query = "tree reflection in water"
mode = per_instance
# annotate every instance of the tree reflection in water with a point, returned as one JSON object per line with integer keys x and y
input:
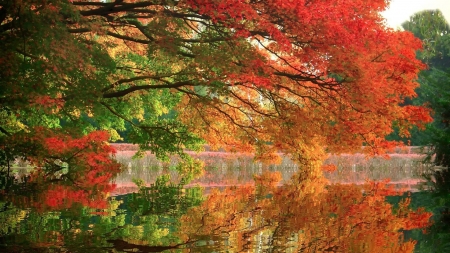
{"x": 303, "y": 215}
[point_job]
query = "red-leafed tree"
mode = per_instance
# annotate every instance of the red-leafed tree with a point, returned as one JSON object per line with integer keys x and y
{"x": 300, "y": 76}
{"x": 67, "y": 170}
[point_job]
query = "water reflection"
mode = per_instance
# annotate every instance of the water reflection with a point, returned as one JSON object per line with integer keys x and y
{"x": 222, "y": 169}
{"x": 303, "y": 215}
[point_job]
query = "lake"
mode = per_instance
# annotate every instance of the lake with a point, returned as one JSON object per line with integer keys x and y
{"x": 236, "y": 206}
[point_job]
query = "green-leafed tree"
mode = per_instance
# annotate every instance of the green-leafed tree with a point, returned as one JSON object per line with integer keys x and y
{"x": 432, "y": 28}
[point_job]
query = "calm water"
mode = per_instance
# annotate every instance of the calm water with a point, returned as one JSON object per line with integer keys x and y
{"x": 226, "y": 169}
{"x": 287, "y": 211}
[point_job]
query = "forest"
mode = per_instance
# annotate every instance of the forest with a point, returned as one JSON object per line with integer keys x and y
{"x": 274, "y": 80}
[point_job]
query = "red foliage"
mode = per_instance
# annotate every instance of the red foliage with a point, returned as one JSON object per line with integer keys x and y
{"x": 69, "y": 170}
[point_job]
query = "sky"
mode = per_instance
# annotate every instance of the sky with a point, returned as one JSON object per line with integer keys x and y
{"x": 401, "y": 10}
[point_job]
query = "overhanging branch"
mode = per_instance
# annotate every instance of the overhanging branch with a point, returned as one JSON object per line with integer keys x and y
{"x": 122, "y": 93}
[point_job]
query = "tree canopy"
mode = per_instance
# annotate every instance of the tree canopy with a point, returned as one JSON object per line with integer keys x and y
{"x": 431, "y": 27}
{"x": 302, "y": 77}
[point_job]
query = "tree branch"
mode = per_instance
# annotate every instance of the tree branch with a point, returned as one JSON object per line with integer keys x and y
{"x": 117, "y": 114}
{"x": 4, "y": 131}
{"x": 144, "y": 77}
{"x": 122, "y": 93}
{"x": 114, "y": 7}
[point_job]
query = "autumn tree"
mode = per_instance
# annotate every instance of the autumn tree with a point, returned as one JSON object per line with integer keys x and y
{"x": 68, "y": 171}
{"x": 302, "y": 77}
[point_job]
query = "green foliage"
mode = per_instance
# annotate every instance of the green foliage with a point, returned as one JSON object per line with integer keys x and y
{"x": 435, "y": 91}
{"x": 432, "y": 28}
{"x": 57, "y": 79}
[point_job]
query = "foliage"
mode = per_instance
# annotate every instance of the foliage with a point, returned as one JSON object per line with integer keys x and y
{"x": 67, "y": 170}
{"x": 435, "y": 91}
{"x": 299, "y": 77}
{"x": 432, "y": 28}
{"x": 255, "y": 76}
